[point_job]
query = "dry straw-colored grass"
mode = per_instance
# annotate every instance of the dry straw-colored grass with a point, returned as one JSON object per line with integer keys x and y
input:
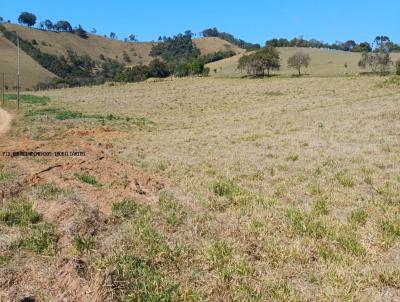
{"x": 279, "y": 189}
{"x": 324, "y": 62}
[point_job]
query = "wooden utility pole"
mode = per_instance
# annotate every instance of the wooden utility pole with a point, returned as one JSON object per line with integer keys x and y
{"x": 17, "y": 72}
{"x": 4, "y": 98}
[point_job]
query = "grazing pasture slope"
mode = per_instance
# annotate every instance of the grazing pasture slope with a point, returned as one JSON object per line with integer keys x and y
{"x": 281, "y": 189}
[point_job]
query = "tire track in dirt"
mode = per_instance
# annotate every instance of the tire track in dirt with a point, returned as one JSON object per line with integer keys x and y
{"x": 5, "y": 121}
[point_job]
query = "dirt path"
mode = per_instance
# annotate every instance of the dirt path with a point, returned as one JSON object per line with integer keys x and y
{"x": 5, "y": 121}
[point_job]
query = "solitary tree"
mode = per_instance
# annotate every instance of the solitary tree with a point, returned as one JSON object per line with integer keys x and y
{"x": 94, "y": 31}
{"x": 1, "y": 20}
{"x": 26, "y": 18}
{"x": 113, "y": 35}
{"x": 299, "y": 60}
{"x": 257, "y": 63}
{"x": 132, "y": 38}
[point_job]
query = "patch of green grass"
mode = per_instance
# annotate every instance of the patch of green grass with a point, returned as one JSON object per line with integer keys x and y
{"x": 63, "y": 114}
{"x": 280, "y": 190}
{"x": 391, "y": 279}
{"x": 358, "y": 216}
{"x": 390, "y": 230}
{"x": 348, "y": 241}
{"x": 329, "y": 255}
{"x": 315, "y": 189}
{"x": 231, "y": 191}
{"x": 281, "y": 291}
{"x": 68, "y": 115}
{"x": 305, "y": 224}
{"x": 139, "y": 280}
{"x": 320, "y": 207}
{"x": 31, "y": 99}
{"x": 6, "y": 176}
{"x": 4, "y": 260}
{"x": 161, "y": 166}
{"x": 344, "y": 179}
{"x": 40, "y": 238}
{"x": 84, "y": 243}
{"x": 292, "y": 157}
{"x": 127, "y": 209}
{"x": 389, "y": 193}
{"x": 172, "y": 211}
{"x": 19, "y": 212}
{"x": 220, "y": 253}
{"x": 88, "y": 179}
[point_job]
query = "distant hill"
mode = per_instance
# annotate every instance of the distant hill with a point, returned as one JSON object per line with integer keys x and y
{"x": 31, "y": 72}
{"x": 324, "y": 62}
{"x": 96, "y": 47}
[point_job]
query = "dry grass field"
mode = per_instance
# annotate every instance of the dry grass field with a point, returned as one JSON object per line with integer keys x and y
{"x": 324, "y": 62}
{"x": 205, "y": 189}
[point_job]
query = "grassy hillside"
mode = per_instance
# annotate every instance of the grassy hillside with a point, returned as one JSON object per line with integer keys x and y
{"x": 211, "y": 45}
{"x": 31, "y": 72}
{"x": 58, "y": 43}
{"x": 323, "y": 63}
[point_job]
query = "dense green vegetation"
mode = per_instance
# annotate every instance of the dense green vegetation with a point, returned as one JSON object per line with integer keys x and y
{"x": 176, "y": 50}
{"x": 213, "y": 32}
{"x": 31, "y": 99}
{"x": 182, "y": 57}
{"x": 175, "y": 55}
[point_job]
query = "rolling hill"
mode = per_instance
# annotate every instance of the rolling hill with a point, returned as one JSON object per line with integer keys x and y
{"x": 324, "y": 62}
{"x": 58, "y": 43}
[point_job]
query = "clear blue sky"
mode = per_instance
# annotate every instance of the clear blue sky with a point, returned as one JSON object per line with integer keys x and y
{"x": 254, "y": 21}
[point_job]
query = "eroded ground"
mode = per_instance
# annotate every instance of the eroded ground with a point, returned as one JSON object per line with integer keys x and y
{"x": 205, "y": 190}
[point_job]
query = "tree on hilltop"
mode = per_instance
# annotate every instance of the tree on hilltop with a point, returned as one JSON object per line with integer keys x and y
{"x": 63, "y": 26}
{"x": 26, "y": 18}
{"x": 132, "y": 38}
